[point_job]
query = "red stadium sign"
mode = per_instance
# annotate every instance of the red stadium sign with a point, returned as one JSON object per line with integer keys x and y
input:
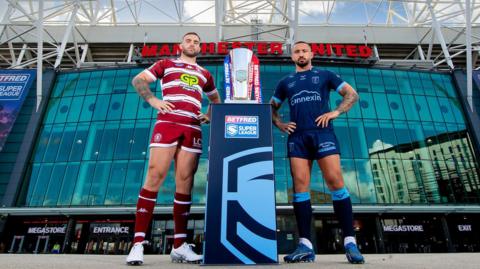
{"x": 261, "y": 48}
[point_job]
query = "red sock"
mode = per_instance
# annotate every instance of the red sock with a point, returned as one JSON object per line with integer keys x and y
{"x": 181, "y": 210}
{"x": 145, "y": 206}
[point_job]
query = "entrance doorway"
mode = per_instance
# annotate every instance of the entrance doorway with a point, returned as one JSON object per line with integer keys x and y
{"x": 17, "y": 244}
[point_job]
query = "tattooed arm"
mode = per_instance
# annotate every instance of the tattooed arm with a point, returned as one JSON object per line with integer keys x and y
{"x": 141, "y": 83}
{"x": 277, "y": 121}
{"x": 350, "y": 97}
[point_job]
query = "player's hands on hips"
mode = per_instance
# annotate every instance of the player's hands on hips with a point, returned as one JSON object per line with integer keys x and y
{"x": 325, "y": 118}
{"x": 203, "y": 118}
{"x": 160, "y": 105}
{"x": 288, "y": 128}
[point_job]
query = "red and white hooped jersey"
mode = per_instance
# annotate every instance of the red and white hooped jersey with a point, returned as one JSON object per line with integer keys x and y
{"x": 182, "y": 85}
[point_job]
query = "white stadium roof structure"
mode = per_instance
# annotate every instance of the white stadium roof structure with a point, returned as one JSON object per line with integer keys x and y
{"x": 66, "y": 34}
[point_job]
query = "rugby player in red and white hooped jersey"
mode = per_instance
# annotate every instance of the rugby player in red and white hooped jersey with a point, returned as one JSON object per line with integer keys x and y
{"x": 177, "y": 136}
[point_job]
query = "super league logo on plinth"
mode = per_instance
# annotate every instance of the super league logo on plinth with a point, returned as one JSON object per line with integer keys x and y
{"x": 240, "y": 226}
{"x": 242, "y": 77}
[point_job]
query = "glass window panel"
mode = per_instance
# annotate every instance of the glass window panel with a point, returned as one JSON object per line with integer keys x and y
{"x": 66, "y": 142}
{"x": 125, "y": 140}
{"x": 82, "y": 84}
{"x": 32, "y": 182}
{"x": 390, "y": 81}
{"x": 384, "y": 183}
{"x": 433, "y": 142}
{"x": 51, "y": 110}
{"x": 419, "y": 140}
{"x": 99, "y": 183}
{"x": 70, "y": 84}
{"x": 427, "y": 84}
{"x": 115, "y": 184}
{"x": 399, "y": 180}
{"x": 133, "y": 182}
{"x": 130, "y": 108}
{"x": 281, "y": 178}
{"x": 88, "y": 107}
{"x": 357, "y": 136}
{"x": 438, "y": 86}
{"x": 59, "y": 86}
{"x": 93, "y": 141}
{"x": 376, "y": 81}
{"x": 79, "y": 141}
{"x": 116, "y": 106}
{"x": 350, "y": 79}
{"x": 416, "y": 83}
{"x": 63, "y": 109}
{"x": 94, "y": 82}
{"x": 411, "y": 107}
{"x": 42, "y": 143}
{"x": 121, "y": 81}
{"x": 446, "y": 110}
{"x": 68, "y": 184}
{"x": 84, "y": 182}
{"x": 396, "y": 106}
{"x": 422, "y": 108}
{"x": 106, "y": 84}
{"x": 53, "y": 143}
{"x": 109, "y": 139}
{"x": 404, "y": 141}
{"x": 41, "y": 185}
{"x": 403, "y": 82}
{"x": 381, "y": 105}
{"x": 350, "y": 179}
{"x": 343, "y": 136}
{"x": 141, "y": 140}
{"x": 101, "y": 107}
{"x": 365, "y": 181}
{"x": 374, "y": 141}
{"x": 54, "y": 185}
{"x": 429, "y": 182}
{"x": 367, "y": 106}
{"x": 414, "y": 176}
{"x": 361, "y": 79}
{"x": 144, "y": 110}
{"x": 75, "y": 109}
{"x": 435, "y": 109}
{"x": 457, "y": 110}
{"x": 200, "y": 186}
{"x": 449, "y": 88}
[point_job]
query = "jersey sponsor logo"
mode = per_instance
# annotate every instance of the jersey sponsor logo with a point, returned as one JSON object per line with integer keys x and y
{"x": 241, "y": 126}
{"x": 326, "y": 146}
{"x": 189, "y": 79}
{"x": 197, "y": 142}
{"x": 157, "y": 138}
{"x": 305, "y": 96}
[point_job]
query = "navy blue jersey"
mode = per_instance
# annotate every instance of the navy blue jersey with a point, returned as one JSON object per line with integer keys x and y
{"x": 308, "y": 94}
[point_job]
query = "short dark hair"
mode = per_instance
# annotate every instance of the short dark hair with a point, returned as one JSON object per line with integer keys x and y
{"x": 302, "y": 42}
{"x": 191, "y": 33}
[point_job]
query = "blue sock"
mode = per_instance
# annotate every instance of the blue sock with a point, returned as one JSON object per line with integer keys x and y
{"x": 303, "y": 213}
{"x": 342, "y": 206}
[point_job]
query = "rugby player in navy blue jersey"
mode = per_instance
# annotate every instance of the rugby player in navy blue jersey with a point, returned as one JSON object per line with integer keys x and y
{"x": 311, "y": 137}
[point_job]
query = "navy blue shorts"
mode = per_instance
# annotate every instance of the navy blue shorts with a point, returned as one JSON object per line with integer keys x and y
{"x": 312, "y": 144}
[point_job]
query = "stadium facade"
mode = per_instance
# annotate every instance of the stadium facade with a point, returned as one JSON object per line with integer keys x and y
{"x": 73, "y": 163}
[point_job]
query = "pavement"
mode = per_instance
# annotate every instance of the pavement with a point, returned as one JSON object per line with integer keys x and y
{"x": 390, "y": 261}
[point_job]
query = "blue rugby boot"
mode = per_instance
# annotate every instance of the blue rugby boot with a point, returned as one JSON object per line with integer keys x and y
{"x": 301, "y": 254}
{"x": 353, "y": 254}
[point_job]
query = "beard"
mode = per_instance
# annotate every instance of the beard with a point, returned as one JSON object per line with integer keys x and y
{"x": 303, "y": 63}
{"x": 190, "y": 53}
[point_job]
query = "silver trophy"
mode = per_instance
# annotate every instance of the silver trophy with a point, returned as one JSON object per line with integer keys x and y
{"x": 242, "y": 77}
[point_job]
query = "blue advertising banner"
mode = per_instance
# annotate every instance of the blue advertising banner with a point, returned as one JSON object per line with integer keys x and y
{"x": 14, "y": 86}
{"x": 240, "y": 225}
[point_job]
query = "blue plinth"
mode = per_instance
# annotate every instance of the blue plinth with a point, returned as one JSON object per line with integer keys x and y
{"x": 240, "y": 219}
